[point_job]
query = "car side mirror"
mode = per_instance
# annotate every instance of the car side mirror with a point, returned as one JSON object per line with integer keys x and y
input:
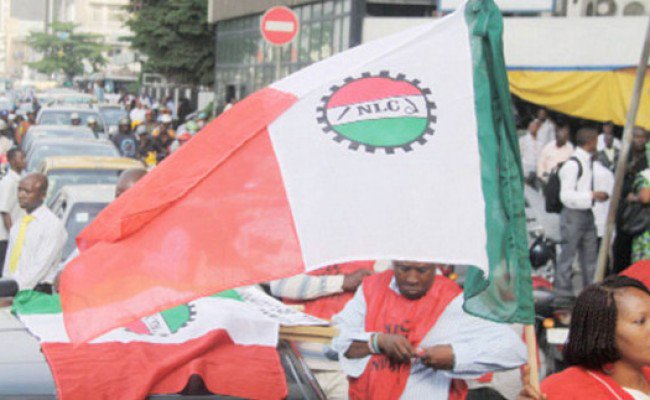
{"x": 8, "y": 288}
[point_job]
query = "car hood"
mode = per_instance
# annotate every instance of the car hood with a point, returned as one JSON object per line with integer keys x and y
{"x": 23, "y": 369}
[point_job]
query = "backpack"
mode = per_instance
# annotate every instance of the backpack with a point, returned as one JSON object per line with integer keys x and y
{"x": 552, "y": 189}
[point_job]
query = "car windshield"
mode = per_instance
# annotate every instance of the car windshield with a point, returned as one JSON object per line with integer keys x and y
{"x": 112, "y": 115}
{"x": 81, "y": 215}
{"x": 69, "y": 149}
{"x": 59, "y": 117}
{"x": 66, "y": 177}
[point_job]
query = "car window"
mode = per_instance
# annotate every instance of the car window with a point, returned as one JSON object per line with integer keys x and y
{"x": 37, "y": 154}
{"x": 65, "y": 177}
{"x": 62, "y": 117}
{"x": 112, "y": 115}
{"x": 80, "y": 215}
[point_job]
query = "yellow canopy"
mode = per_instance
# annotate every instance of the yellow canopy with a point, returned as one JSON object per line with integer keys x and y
{"x": 596, "y": 95}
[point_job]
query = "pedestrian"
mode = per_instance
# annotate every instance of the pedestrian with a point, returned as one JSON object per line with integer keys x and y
{"x": 75, "y": 120}
{"x": 138, "y": 113}
{"x": 91, "y": 122}
{"x": 607, "y": 349}
{"x": 636, "y": 162}
{"x": 641, "y": 194}
{"x": 9, "y": 208}
{"x": 608, "y": 150}
{"x": 607, "y": 136}
{"x": 577, "y": 224}
{"x": 36, "y": 241}
{"x": 554, "y": 153}
{"x": 603, "y": 182}
{"x": 546, "y": 128}
{"x": 23, "y": 127}
{"x": 125, "y": 140}
{"x": 324, "y": 293}
{"x": 530, "y": 146}
{"x": 5, "y": 139}
{"x": 163, "y": 137}
{"x": 405, "y": 335}
{"x": 98, "y": 91}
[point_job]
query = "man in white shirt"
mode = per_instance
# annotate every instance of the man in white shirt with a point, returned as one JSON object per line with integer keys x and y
{"x": 530, "y": 146}
{"x": 577, "y": 225}
{"x": 36, "y": 241}
{"x": 608, "y": 130}
{"x": 9, "y": 208}
{"x": 138, "y": 113}
{"x": 554, "y": 153}
{"x": 547, "y": 127}
{"x": 608, "y": 147}
{"x": 405, "y": 335}
{"x": 322, "y": 294}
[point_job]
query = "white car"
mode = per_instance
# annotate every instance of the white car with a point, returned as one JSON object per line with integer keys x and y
{"x": 77, "y": 206}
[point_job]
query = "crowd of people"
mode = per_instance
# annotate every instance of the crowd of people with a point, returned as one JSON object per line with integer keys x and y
{"x": 402, "y": 332}
{"x": 586, "y": 176}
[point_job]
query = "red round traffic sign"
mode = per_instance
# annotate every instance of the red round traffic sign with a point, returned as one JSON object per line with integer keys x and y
{"x": 279, "y": 25}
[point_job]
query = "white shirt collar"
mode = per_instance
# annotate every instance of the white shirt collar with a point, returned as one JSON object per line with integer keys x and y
{"x": 38, "y": 212}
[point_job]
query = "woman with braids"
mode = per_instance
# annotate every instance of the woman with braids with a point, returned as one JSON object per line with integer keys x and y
{"x": 608, "y": 346}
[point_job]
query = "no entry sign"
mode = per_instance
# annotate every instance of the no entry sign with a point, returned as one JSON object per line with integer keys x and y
{"x": 279, "y": 25}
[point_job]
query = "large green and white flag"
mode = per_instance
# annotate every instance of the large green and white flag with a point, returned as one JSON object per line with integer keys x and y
{"x": 402, "y": 148}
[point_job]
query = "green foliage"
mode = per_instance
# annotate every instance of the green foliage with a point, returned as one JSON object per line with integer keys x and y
{"x": 65, "y": 50}
{"x": 175, "y": 38}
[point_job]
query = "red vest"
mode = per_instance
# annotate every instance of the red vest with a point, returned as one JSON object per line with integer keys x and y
{"x": 577, "y": 383}
{"x": 389, "y": 312}
{"x": 325, "y": 307}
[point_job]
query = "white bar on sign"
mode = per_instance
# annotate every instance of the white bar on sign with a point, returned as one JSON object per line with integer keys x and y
{"x": 278, "y": 26}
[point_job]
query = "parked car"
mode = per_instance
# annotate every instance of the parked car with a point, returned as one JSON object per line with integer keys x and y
{"x": 77, "y": 206}
{"x": 82, "y": 170}
{"x": 55, "y": 131}
{"x": 24, "y": 372}
{"x": 61, "y": 116}
{"x": 48, "y": 147}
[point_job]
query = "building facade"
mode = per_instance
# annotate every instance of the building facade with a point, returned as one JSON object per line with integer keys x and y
{"x": 105, "y": 18}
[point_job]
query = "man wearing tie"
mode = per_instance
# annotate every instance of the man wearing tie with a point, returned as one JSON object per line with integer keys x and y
{"x": 35, "y": 241}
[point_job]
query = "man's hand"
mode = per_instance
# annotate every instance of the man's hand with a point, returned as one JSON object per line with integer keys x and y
{"x": 352, "y": 281}
{"x": 437, "y": 357}
{"x": 396, "y": 347}
{"x": 600, "y": 196}
{"x": 528, "y": 392}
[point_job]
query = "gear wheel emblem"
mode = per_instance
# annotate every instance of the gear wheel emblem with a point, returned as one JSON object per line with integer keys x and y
{"x": 165, "y": 323}
{"x": 378, "y": 112}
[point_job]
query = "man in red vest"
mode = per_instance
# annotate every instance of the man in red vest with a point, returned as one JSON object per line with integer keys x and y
{"x": 405, "y": 335}
{"x": 324, "y": 293}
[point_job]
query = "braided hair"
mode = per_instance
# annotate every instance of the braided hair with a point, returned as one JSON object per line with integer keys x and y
{"x": 592, "y": 334}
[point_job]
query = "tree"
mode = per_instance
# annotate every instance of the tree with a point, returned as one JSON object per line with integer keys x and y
{"x": 176, "y": 39}
{"x": 65, "y": 50}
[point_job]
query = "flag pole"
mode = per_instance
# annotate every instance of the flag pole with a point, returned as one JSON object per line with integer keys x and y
{"x": 603, "y": 252}
{"x": 531, "y": 345}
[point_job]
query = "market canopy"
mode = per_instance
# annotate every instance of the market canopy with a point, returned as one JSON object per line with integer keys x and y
{"x": 582, "y": 67}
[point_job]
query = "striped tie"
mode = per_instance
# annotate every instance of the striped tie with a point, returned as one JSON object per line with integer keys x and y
{"x": 20, "y": 241}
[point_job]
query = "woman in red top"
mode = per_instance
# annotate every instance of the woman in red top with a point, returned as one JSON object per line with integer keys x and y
{"x": 608, "y": 346}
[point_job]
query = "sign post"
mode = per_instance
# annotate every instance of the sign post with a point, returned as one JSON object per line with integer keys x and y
{"x": 279, "y": 26}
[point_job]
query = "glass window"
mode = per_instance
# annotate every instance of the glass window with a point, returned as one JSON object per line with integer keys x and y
{"x": 336, "y": 36}
{"x": 305, "y": 13}
{"x": 347, "y": 6}
{"x": 303, "y": 51}
{"x": 338, "y": 7}
{"x": 315, "y": 42}
{"x": 326, "y": 41}
{"x": 345, "y": 34}
{"x": 328, "y": 9}
{"x": 317, "y": 11}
